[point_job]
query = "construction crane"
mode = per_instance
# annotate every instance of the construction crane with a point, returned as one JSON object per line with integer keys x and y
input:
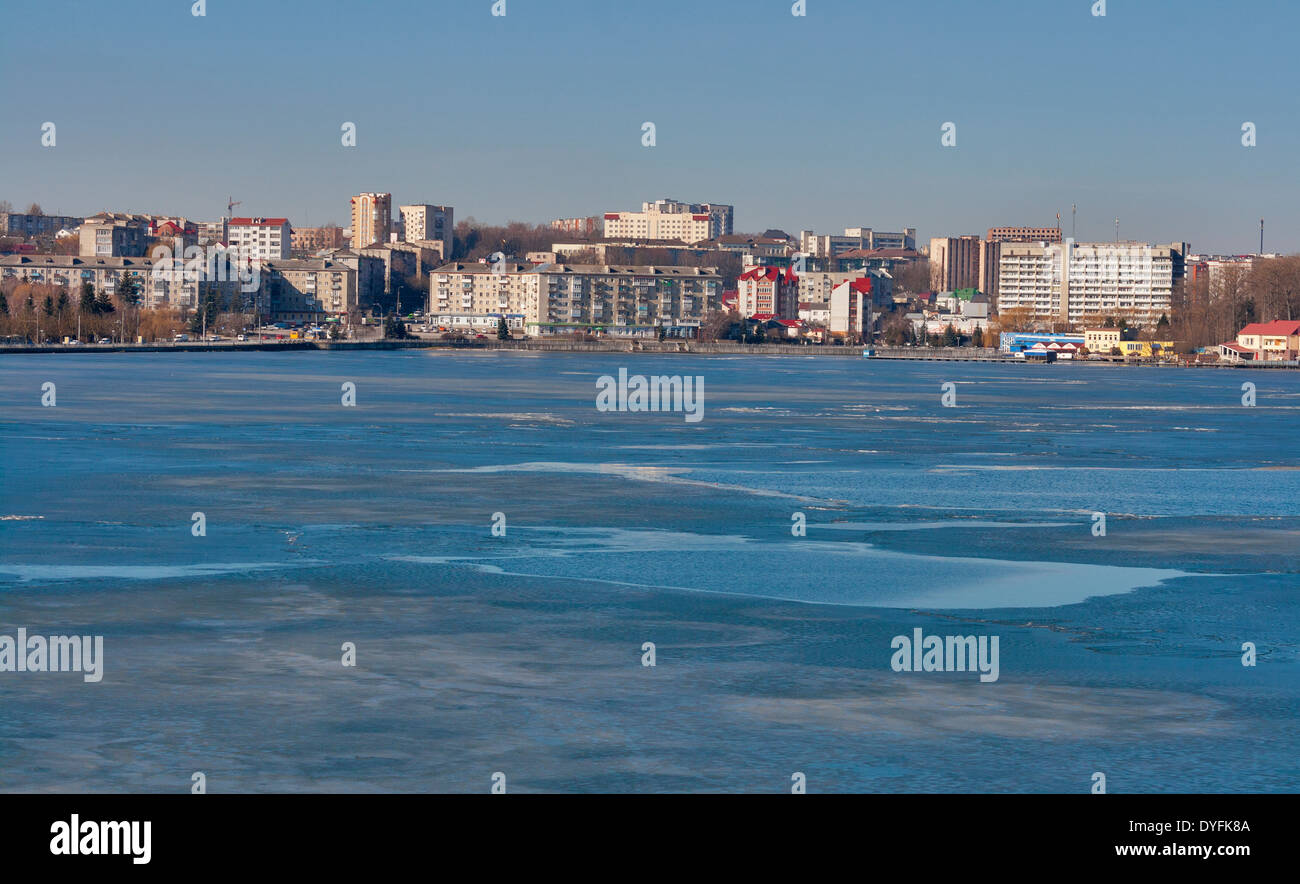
{"x": 231, "y": 202}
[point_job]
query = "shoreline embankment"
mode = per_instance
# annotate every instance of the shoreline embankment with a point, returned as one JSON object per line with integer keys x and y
{"x": 694, "y": 348}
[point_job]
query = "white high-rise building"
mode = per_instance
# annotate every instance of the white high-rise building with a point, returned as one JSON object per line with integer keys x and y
{"x": 262, "y": 239}
{"x": 1073, "y": 282}
{"x": 425, "y": 223}
{"x": 671, "y": 220}
{"x": 854, "y": 239}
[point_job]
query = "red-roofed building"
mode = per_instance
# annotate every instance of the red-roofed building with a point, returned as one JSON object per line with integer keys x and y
{"x": 768, "y": 290}
{"x": 170, "y": 231}
{"x": 851, "y": 309}
{"x": 262, "y": 239}
{"x": 1231, "y": 352}
{"x": 671, "y": 220}
{"x": 171, "y": 228}
{"x": 1277, "y": 341}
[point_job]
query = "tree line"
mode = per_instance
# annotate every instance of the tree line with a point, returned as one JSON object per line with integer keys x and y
{"x": 37, "y": 312}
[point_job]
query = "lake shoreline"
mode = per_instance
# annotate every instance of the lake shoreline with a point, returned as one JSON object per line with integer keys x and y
{"x": 925, "y": 354}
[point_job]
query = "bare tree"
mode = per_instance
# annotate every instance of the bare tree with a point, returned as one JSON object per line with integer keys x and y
{"x": 1275, "y": 286}
{"x": 913, "y": 277}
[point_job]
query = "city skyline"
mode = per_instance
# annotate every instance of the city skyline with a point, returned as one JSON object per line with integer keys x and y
{"x": 837, "y": 123}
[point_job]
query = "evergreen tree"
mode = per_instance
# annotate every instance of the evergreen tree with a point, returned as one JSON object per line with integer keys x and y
{"x": 503, "y": 330}
{"x": 62, "y": 305}
{"x": 128, "y": 290}
{"x": 394, "y": 328}
{"x": 4, "y": 305}
{"x": 87, "y": 297}
{"x": 949, "y": 336}
{"x": 48, "y": 306}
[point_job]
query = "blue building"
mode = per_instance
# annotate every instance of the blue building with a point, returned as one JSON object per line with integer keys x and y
{"x": 1016, "y": 342}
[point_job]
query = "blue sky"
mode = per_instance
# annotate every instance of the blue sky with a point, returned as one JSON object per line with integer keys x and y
{"x": 818, "y": 122}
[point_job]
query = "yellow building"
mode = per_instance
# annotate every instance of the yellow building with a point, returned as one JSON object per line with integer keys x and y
{"x": 1146, "y": 349}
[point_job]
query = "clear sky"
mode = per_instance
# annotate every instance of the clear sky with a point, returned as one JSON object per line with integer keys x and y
{"x": 815, "y": 122}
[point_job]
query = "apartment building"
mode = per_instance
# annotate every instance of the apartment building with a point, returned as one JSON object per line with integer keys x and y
{"x": 370, "y": 272}
{"x": 817, "y": 286}
{"x": 423, "y": 223}
{"x": 724, "y": 217}
{"x": 990, "y": 252}
{"x": 1224, "y": 275}
{"x": 571, "y": 298}
{"x": 668, "y": 219}
{"x": 990, "y": 259}
{"x": 888, "y": 260}
{"x": 627, "y": 300}
{"x": 855, "y": 239}
{"x": 615, "y": 251}
{"x": 850, "y": 308}
{"x": 768, "y": 293}
{"x": 262, "y": 239}
{"x": 398, "y": 262}
{"x": 212, "y": 232}
{"x": 954, "y": 263}
{"x": 178, "y": 235}
{"x": 28, "y": 225}
{"x": 1074, "y": 282}
{"x": 1024, "y": 234}
{"x": 305, "y": 241}
{"x": 160, "y": 283}
{"x": 174, "y": 283}
{"x": 753, "y": 247}
{"x": 372, "y": 218}
{"x": 306, "y": 290}
{"x": 112, "y": 235}
{"x": 474, "y": 297}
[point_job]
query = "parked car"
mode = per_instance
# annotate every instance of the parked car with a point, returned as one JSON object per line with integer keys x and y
{"x": 181, "y": 339}
{"x": 241, "y": 337}
{"x": 105, "y": 340}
